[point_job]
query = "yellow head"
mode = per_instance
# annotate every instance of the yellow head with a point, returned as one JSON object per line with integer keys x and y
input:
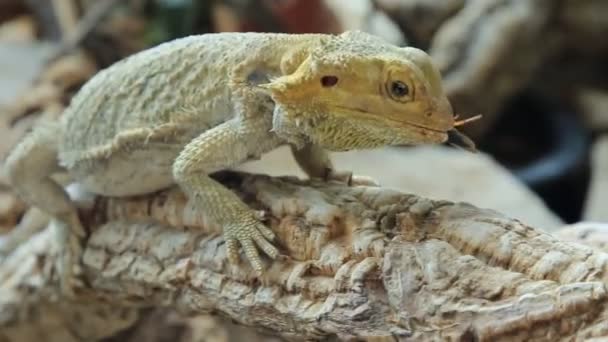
{"x": 356, "y": 91}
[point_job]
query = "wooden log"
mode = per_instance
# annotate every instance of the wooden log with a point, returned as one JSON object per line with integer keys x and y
{"x": 359, "y": 262}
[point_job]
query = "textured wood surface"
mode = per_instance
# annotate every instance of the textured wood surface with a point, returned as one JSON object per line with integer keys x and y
{"x": 360, "y": 262}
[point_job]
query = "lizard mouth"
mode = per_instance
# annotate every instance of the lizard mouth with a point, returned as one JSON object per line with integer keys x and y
{"x": 452, "y": 135}
{"x": 458, "y": 139}
{"x": 366, "y": 115}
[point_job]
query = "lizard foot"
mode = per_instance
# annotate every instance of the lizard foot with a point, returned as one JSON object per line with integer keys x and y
{"x": 69, "y": 251}
{"x": 251, "y": 234}
{"x": 349, "y": 179}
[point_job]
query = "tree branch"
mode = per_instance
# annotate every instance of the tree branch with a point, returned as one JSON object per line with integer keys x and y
{"x": 362, "y": 262}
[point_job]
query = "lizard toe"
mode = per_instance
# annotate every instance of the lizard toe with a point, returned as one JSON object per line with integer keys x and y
{"x": 232, "y": 251}
{"x": 252, "y": 255}
{"x": 266, "y": 246}
{"x": 251, "y": 235}
{"x": 266, "y": 232}
{"x": 68, "y": 265}
{"x": 66, "y": 272}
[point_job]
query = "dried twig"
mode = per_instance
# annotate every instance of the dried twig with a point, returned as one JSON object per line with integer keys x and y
{"x": 362, "y": 262}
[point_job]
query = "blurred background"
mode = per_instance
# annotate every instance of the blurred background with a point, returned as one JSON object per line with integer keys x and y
{"x": 536, "y": 70}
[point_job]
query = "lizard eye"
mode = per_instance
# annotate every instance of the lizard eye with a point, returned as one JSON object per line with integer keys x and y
{"x": 329, "y": 81}
{"x": 399, "y": 89}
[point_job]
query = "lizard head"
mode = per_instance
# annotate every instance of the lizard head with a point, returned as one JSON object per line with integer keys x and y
{"x": 356, "y": 91}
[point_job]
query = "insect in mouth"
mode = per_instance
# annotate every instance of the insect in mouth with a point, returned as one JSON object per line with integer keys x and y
{"x": 465, "y": 121}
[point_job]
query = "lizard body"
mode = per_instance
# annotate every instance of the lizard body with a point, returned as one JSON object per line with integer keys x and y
{"x": 186, "y": 108}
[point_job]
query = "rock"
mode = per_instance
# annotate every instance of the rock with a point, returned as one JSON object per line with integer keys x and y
{"x": 597, "y": 197}
{"x": 435, "y": 172}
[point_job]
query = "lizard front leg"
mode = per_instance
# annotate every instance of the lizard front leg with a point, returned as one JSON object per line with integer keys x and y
{"x": 218, "y": 148}
{"x": 315, "y": 162}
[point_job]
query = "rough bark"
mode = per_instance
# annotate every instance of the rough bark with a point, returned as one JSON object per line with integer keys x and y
{"x": 360, "y": 262}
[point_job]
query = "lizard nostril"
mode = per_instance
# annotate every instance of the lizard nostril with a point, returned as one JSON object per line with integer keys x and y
{"x": 429, "y": 114}
{"x": 329, "y": 81}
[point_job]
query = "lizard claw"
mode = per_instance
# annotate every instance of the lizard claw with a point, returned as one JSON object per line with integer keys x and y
{"x": 251, "y": 235}
{"x": 261, "y": 215}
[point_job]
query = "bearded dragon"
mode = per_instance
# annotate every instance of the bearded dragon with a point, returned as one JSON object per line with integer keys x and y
{"x": 179, "y": 111}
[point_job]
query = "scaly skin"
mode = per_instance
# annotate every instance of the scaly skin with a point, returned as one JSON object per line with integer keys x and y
{"x": 200, "y": 104}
